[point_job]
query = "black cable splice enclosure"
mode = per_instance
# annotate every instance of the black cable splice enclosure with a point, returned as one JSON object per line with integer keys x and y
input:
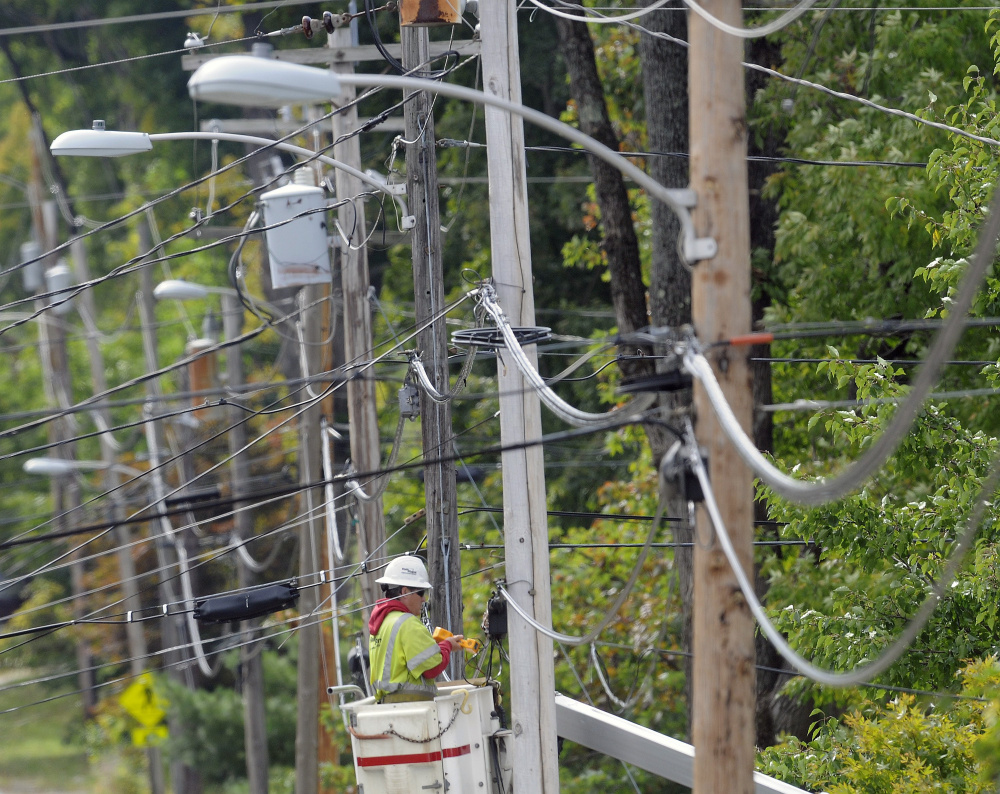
{"x": 495, "y": 619}
{"x": 244, "y": 606}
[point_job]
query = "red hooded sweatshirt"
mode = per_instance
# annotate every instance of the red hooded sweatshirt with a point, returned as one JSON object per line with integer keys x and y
{"x": 388, "y": 605}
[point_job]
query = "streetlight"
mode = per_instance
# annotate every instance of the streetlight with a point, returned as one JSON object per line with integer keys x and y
{"x": 178, "y": 289}
{"x": 101, "y": 142}
{"x": 61, "y": 467}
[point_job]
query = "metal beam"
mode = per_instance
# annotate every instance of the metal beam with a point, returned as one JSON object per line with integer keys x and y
{"x": 641, "y": 747}
{"x": 282, "y": 127}
{"x": 344, "y": 56}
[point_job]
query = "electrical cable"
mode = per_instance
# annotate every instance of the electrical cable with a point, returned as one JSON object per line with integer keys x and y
{"x": 751, "y": 33}
{"x": 80, "y": 24}
{"x": 227, "y": 459}
{"x": 369, "y": 13}
{"x": 595, "y": 18}
{"x": 895, "y": 362}
{"x": 590, "y": 700}
{"x": 818, "y": 405}
{"x": 751, "y": 158}
{"x": 916, "y": 624}
{"x": 856, "y": 473}
{"x": 626, "y": 590}
{"x": 417, "y": 367}
{"x": 837, "y": 94}
{"x": 120, "y": 61}
{"x": 556, "y": 404}
{"x": 383, "y": 482}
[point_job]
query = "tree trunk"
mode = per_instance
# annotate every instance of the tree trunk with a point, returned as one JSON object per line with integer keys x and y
{"x": 620, "y": 245}
{"x": 664, "y": 79}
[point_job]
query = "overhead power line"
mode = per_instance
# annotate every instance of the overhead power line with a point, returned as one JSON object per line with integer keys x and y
{"x": 452, "y": 143}
{"x": 79, "y": 24}
{"x": 868, "y": 669}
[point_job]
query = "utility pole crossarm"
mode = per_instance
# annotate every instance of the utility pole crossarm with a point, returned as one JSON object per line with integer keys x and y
{"x": 345, "y": 55}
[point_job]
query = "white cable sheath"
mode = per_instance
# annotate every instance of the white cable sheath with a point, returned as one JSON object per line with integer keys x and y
{"x": 752, "y": 33}
{"x": 333, "y": 534}
{"x": 855, "y": 474}
{"x": 553, "y": 401}
{"x": 425, "y": 382}
{"x": 865, "y": 672}
{"x": 597, "y": 18}
{"x": 595, "y": 632}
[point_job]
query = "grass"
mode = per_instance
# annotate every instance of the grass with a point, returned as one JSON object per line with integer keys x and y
{"x": 41, "y": 747}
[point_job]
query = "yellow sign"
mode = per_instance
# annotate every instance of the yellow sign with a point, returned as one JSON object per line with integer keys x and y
{"x": 140, "y": 701}
{"x": 146, "y": 737}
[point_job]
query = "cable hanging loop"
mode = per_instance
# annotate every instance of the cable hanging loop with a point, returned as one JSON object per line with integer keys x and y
{"x": 556, "y": 404}
{"x": 865, "y": 672}
{"x": 858, "y": 472}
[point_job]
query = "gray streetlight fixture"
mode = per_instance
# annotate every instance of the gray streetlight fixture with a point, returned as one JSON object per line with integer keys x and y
{"x": 179, "y": 290}
{"x": 101, "y": 142}
{"x": 61, "y": 467}
{"x": 261, "y": 82}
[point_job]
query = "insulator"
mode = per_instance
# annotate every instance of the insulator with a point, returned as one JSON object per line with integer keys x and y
{"x": 307, "y": 26}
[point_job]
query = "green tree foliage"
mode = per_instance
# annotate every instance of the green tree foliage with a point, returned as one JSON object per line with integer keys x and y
{"x": 211, "y": 739}
{"x": 889, "y": 243}
{"x": 904, "y": 744}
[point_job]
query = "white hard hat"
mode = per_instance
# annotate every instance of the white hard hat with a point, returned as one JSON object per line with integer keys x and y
{"x": 406, "y": 571}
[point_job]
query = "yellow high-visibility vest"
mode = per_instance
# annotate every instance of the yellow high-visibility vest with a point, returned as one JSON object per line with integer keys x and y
{"x": 400, "y": 653}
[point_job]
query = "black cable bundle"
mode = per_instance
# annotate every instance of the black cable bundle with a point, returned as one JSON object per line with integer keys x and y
{"x": 495, "y": 619}
{"x": 436, "y": 74}
{"x": 243, "y": 606}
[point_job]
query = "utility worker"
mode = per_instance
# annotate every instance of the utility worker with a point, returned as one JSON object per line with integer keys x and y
{"x": 405, "y": 659}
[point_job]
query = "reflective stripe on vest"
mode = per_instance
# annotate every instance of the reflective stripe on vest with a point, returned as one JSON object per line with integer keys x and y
{"x": 390, "y": 687}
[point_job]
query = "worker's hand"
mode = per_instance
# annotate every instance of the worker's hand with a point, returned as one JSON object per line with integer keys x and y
{"x": 454, "y": 641}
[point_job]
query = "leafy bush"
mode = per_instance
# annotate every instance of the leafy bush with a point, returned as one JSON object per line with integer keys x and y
{"x": 906, "y": 745}
{"x": 212, "y": 737}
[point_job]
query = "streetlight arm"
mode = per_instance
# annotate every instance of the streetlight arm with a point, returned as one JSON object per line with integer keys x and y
{"x": 242, "y": 78}
{"x": 62, "y": 467}
{"x": 99, "y": 142}
{"x": 181, "y": 290}
{"x": 680, "y": 201}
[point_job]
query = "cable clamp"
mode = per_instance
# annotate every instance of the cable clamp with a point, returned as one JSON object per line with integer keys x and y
{"x": 128, "y": 616}
{"x": 693, "y": 248}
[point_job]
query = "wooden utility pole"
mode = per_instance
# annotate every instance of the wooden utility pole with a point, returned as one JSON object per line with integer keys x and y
{"x": 723, "y": 725}
{"x": 134, "y": 632}
{"x": 182, "y": 777}
{"x": 526, "y": 542}
{"x": 428, "y": 294}
{"x": 58, "y": 392}
{"x": 310, "y": 470}
{"x": 251, "y": 662}
{"x": 362, "y": 416}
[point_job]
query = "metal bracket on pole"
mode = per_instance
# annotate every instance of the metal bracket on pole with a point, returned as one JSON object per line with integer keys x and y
{"x": 695, "y": 249}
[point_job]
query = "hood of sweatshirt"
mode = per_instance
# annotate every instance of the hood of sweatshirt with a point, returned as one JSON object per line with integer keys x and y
{"x": 382, "y": 609}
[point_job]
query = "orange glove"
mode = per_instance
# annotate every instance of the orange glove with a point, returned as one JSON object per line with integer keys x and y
{"x": 472, "y": 645}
